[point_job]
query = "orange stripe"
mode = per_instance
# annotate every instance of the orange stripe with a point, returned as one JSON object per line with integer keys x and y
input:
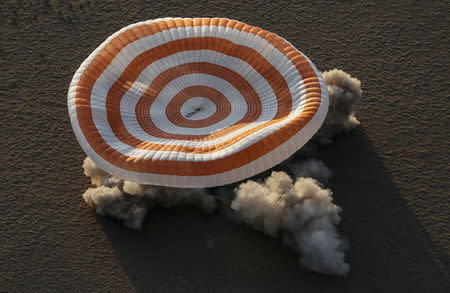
{"x": 223, "y": 107}
{"x": 153, "y": 90}
{"x": 133, "y": 70}
{"x": 241, "y": 158}
{"x": 125, "y": 81}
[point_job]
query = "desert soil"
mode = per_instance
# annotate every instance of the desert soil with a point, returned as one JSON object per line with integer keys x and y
{"x": 391, "y": 173}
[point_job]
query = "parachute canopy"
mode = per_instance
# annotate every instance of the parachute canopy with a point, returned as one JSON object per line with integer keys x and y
{"x": 194, "y": 102}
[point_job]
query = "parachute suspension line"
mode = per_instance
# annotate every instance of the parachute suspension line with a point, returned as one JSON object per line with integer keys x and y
{"x": 192, "y": 113}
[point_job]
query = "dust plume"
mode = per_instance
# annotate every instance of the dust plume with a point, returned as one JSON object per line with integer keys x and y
{"x": 344, "y": 93}
{"x": 93, "y": 171}
{"x": 301, "y": 213}
{"x": 129, "y": 202}
{"x": 313, "y": 168}
{"x": 113, "y": 202}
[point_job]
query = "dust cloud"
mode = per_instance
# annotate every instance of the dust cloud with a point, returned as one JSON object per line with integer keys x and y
{"x": 300, "y": 211}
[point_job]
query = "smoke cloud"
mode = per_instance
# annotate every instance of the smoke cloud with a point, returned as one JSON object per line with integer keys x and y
{"x": 129, "y": 202}
{"x": 344, "y": 93}
{"x": 113, "y": 202}
{"x": 93, "y": 171}
{"x": 302, "y": 213}
{"x": 312, "y": 168}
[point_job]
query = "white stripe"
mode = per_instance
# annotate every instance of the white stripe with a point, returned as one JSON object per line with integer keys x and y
{"x": 105, "y": 82}
{"x": 198, "y": 108}
{"x": 257, "y": 166}
{"x": 132, "y": 152}
{"x": 260, "y": 84}
{"x": 254, "y": 167}
{"x": 278, "y": 60}
{"x": 159, "y": 118}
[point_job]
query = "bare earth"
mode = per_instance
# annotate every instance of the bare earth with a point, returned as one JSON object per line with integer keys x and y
{"x": 391, "y": 174}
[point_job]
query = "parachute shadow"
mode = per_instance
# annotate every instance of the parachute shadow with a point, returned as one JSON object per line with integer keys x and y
{"x": 388, "y": 245}
{"x": 181, "y": 249}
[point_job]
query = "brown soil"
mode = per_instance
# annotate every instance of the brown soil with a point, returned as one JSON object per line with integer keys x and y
{"x": 391, "y": 174}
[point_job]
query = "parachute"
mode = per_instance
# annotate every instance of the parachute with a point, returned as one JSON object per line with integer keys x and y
{"x": 194, "y": 102}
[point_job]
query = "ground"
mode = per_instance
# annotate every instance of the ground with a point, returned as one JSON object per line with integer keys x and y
{"x": 391, "y": 173}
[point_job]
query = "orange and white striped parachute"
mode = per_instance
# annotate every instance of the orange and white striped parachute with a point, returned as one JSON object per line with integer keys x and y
{"x": 194, "y": 102}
